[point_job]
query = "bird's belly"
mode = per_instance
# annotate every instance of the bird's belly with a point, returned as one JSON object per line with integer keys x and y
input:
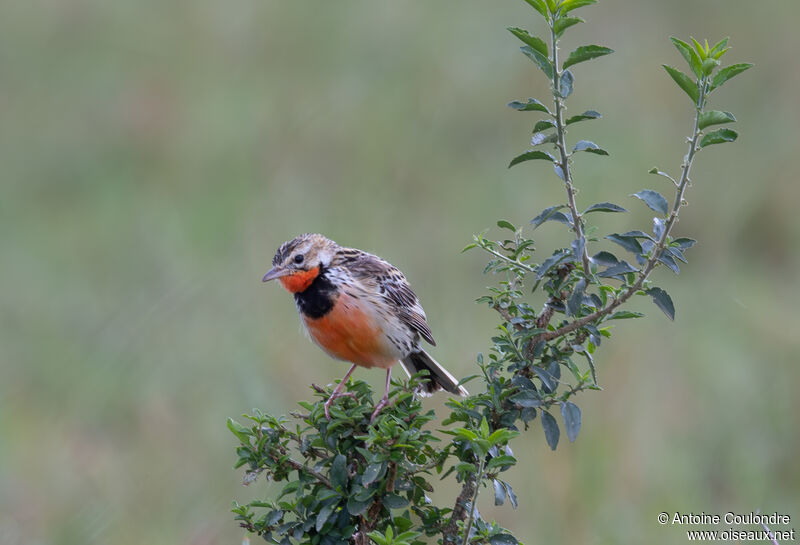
{"x": 350, "y": 332}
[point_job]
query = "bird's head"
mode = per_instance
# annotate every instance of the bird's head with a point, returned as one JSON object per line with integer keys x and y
{"x": 300, "y": 260}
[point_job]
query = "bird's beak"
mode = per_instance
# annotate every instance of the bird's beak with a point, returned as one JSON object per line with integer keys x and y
{"x": 275, "y": 272}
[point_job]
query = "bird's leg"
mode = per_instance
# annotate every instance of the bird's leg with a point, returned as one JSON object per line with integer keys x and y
{"x": 385, "y": 399}
{"x": 337, "y": 392}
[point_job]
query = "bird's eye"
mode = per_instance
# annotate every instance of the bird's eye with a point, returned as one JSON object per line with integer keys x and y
{"x": 299, "y": 258}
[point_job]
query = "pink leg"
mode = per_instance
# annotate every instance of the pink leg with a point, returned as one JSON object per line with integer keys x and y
{"x": 337, "y": 392}
{"x": 385, "y": 399}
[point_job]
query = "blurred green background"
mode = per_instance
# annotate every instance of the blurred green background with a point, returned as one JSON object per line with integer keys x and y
{"x": 155, "y": 154}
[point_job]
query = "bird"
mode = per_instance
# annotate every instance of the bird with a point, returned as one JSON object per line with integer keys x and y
{"x": 360, "y": 309}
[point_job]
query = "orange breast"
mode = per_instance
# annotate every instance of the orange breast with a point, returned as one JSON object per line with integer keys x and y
{"x": 348, "y": 332}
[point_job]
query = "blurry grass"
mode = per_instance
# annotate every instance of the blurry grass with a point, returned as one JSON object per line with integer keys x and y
{"x": 155, "y": 155}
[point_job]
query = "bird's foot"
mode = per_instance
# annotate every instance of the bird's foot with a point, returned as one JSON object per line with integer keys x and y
{"x": 334, "y": 395}
{"x": 378, "y": 408}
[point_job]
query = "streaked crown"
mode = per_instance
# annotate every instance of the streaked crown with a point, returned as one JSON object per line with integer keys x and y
{"x": 305, "y": 252}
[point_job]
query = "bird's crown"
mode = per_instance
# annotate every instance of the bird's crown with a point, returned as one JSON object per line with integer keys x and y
{"x": 305, "y": 251}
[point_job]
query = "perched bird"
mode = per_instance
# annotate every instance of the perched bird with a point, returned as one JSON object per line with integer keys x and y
{"x": 358, "y": 308}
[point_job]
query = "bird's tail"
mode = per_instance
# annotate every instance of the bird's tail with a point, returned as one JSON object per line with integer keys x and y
{"x": 439, "y": 377}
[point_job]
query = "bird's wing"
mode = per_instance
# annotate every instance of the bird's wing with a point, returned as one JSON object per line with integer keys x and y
{"x": 392, "y": 285}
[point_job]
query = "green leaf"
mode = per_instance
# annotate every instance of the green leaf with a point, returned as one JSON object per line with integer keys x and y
{"x": 605, "y": 259}
{"x": 561, "y": 217}
{"x": 653, "y": 199}
{"x": 701, "y": 51}
{"x": 727, "y": 73}
{"x": 501, "y": 461}
{"x": 715, "y": 117}
{"x": 551, "y": 431}
{"x": 543, "y": 125}
{"x": 684, "y": 243}
{"x": 339, "y": 471}
{"x": 539, "y": 6}
{"x": 571, "y": 414}
{"x": 406, "y": 537}
{"x": 636, "y": 234}
{"x": 551, "y": 261}
{"x": 378, "y": 537}
{"x": 484, "y": 428}
{"x": 466, "y": 467}
{"x": 503, "y": 539}
{"x": 662, "y": 301}
{"x": 690, "y": 55}
{"x": 324, "y": 514}
{"x": 536, "y": 43}
{"x": 657, "y": 172}
{"x": 625, "y": 315}
{"x": 464, "y": 433}
{"x": 371, "y": 473}
{"x": 575, "y": 300}
{"x": 719, "y": 48}
{"x": 499, "y": 492}
{"x": 394, "y": 501}
{"x": 588, "y": 114}
{"x": 501, "y": 436}
{"x": 511, "y": 495}
{"x": 546, "y": 214}
{"x": 629, "y": 243}
{"x": 684, "y": 82}
{"x": 532, "y": 105}
{"x": 273, "y": 517}
{"x": 569, "y": 5}
{"x": 526, "y": 398}
{"x": 241, "y": 433}
{"x": 563, "y": 23}
{"x": 567, "y": 84}
{"x": 719, "y": 54}
{"x": 503, "y": 224}
{"x": 604, "y": 207}
{"x": 719, "y": 136}
{"x": 539, "y": 60}
{"x": 541, "y": 138}
{"x": 709, "y": 65}
{"x": 617, "y": 270}
{"x": 355, "y": 507}
{"x": 578, "y": 246}
{"x": 585, "y": 53}
{"x": 591, "y": 147}
{"x": 669, "y": 262}
{"x": 529, "y": 156}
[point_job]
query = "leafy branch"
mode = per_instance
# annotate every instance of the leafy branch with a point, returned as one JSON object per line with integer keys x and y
{"x": 345, "y": 480}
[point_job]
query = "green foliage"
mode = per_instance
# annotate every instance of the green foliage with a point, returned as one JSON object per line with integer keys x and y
{"x": 345, "y": 480}
{"x": 344, "y": 475}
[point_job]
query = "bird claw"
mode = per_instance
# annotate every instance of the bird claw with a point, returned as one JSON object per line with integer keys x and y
{"x": 334, "y": 395}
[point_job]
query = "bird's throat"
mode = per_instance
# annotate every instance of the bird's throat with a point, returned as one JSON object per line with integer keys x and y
{"x": 318, "y": 298}
{"x": 299, "y": 281}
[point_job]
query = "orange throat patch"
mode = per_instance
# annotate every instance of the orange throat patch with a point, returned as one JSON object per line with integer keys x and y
{"x": 299, "y": 281}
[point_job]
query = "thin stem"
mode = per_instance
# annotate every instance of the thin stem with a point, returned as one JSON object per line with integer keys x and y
{"x": 300, "y": 468}
{"x": 472, "y": 504}
{"x": 509, "y": 260}
{"x": 658, "y": 248}
{"x": 561, "y": 144}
